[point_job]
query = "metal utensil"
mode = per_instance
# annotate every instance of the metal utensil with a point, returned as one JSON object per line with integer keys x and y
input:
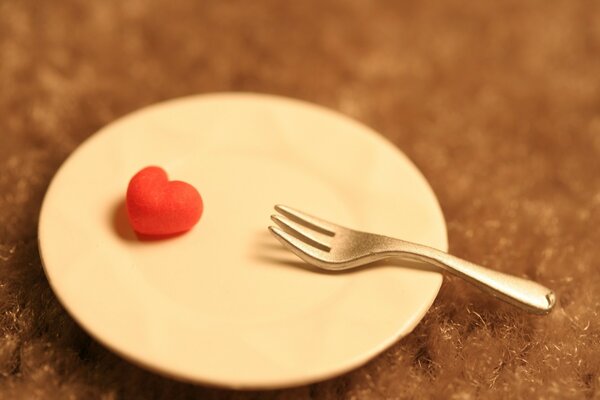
{"x": 332, "y": 247}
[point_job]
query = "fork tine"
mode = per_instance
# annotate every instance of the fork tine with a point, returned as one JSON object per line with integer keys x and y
{"x": 307, "y": 220}
{"x": 300, "y": 231}
{"x": 305, "y": 251}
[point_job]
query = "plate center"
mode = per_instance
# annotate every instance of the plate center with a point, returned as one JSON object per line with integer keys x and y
{"x": 229, "y": 268}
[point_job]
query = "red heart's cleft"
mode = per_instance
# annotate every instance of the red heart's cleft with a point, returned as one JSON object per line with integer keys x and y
{"x": 159, "y": 207}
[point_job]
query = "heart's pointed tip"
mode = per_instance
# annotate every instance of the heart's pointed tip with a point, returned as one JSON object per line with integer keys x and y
{"x": 148, "y": 237}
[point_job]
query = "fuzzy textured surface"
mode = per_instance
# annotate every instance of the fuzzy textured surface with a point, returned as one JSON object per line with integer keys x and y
{"x": 498, "y": 103}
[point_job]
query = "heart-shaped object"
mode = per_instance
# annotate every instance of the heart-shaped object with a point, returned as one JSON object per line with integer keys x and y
{"x": 159, "y": 207}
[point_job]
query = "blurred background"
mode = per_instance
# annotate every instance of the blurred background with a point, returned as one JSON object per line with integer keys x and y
{"x": 498, "y": 104}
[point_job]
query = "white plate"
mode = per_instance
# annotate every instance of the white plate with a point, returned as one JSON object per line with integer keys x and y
{"x": 225, "y": 304}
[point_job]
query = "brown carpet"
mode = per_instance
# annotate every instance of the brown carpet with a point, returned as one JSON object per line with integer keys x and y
{"x": 497, "y": 102}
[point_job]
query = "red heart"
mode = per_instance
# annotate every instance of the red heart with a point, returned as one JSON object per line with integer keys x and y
{"x": 159, "y": 207}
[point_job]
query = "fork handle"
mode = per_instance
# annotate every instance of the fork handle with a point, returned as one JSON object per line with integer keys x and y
{"x": 523, "y": 293}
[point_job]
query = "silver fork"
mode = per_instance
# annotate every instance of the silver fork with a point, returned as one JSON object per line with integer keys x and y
{"x": 334, "y": 248}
